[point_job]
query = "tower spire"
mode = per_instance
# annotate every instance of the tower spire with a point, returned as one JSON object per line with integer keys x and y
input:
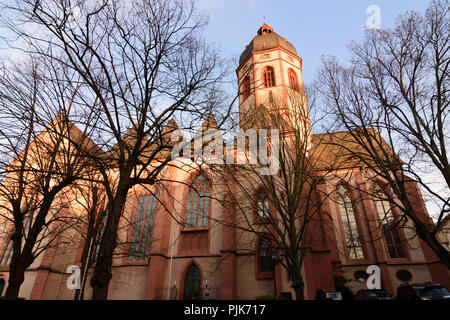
{"x": 265, "y": 28}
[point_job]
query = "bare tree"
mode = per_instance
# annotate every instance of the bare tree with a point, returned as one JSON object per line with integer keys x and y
{"x": 394, "y": 102}
{"x": 38, "y": 162}
{"x": 91, "y": 202}
{"x": 143, "y": 64}
{"x": 282, "y": 208}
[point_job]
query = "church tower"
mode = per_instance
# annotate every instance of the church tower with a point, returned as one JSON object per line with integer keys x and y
{"x": 270, "y": 79}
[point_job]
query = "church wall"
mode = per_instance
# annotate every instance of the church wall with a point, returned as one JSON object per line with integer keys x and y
{"x": 248, "y": 287}
{"x": 28, "y": 283}
{"x": 128, "y": 283}
{"x": 145, "y": 279}
{"x": 209, "y": 268}
{"x": 412, "y": 262}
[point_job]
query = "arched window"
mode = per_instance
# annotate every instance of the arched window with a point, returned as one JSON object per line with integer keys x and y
{"x": 293, "y": 82}
{"x": 100, "y": 233}
{"x": 269, "y": 77}
{"x": 350, "y": 228}
{"x": 245, "y": 89}
{"x": 263, "y": 205}
{"x": 198, "y": 203}
{"x": 142, "y": 227}
{"x": 5, "y": 259}
{"x": 7, "y": 254}
{"x": 266, "y": 256}
{"x": 192, "y": 284}
{"x": 388, "y": 225}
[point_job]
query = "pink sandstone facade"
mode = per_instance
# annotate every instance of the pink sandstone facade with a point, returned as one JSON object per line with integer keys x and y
{"x": 164, "y": 259}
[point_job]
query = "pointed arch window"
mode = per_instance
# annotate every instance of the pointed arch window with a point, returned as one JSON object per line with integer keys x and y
{"x": 245, "y": 89}
{"x": 349, "y": 225}
{"x": 142, "y": 227}
{"x": 263, "y": 205}
{"x": 7, "y": 254}
{"x": 198, "y": 203}
{"x": 269, "y": 77}
{"x": 101, "y": 231}
{"x": 293, "y": 81}
{"x": 6, "y": 257}
{"x": 388, "y": 225}
{"x": 266, "y": 259}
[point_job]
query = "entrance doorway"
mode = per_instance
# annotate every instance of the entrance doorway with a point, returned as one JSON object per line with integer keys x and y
{"x": 192, "y": 284}
{"x": 2, "y": 286}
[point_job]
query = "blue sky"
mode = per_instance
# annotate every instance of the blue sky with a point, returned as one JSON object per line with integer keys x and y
{"x": 314, "y": 27}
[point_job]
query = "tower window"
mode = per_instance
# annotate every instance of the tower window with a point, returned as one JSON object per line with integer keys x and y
{"x": 269, "y": 77}
{"x": 245, "y": 88}
{"x": 293, "y": 81}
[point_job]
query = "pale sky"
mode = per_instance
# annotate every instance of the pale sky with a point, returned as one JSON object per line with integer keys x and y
{"x": 314, "y": 27}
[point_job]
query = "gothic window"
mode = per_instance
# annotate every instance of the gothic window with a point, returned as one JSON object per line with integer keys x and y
{"x": 269, "y": 77}
{"x": 198, "y": 203}
{"x": 245, "y": 88}
{"x": 349, "y": 225}
{"x": 265, "y": 256}
{"x": 263, "y": 205}
{"x": 102, "y": 228}
{"x": 293, "y": 82}
{"x": 388, "y": 225}
{"x": 142, "y": 227}
{"x": 8, "y": 252}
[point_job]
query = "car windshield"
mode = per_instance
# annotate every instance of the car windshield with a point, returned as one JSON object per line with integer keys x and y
{"x": 434, "y": 291}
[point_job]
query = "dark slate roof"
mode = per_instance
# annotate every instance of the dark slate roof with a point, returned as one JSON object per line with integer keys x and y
{"x": 267, "y": 41}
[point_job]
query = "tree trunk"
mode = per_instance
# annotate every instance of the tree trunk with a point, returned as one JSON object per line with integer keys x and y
{"x": 17, "y": 266}
{"x": 299, "y": 287}
{"x": 102, "y": 272}
{"x": 85, "y": 257}
{"x": 297, "y": 282}
{"x": 430, "y": 239}
{"x": 16, "y": 278}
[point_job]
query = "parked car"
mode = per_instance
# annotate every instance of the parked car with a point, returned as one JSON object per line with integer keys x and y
{"x": 431, "y": 291}
{"x": 373, "y": 294}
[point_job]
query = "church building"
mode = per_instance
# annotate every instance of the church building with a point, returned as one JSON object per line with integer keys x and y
{"x": 189, "y": 254}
